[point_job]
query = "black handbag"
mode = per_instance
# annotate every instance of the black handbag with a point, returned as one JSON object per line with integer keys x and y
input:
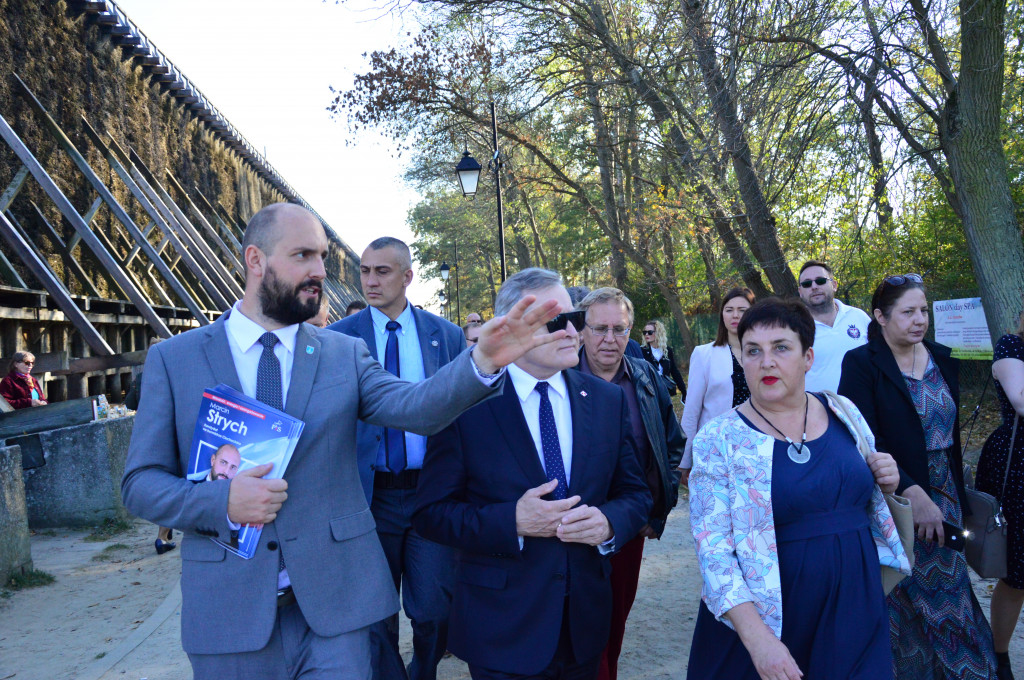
{"x": 985, "y": 529}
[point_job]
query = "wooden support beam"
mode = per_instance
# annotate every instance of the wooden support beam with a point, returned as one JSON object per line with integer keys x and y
{"x": 228, "y": 233}
{"x": 7, "y": 270}
{"x": 69, "y": 261}
{"x": 72, "y": 216}
{"x": 165, "y": 220}
{"x": 203, "y": 251}
{"x": 207, "y": 227}
{"x": 166, "y": 271}
{"x": 53, "y": 286}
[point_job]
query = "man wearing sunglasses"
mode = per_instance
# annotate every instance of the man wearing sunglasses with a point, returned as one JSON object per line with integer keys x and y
{"x": 535, "y": 488}
{"x": 838, "y": 328}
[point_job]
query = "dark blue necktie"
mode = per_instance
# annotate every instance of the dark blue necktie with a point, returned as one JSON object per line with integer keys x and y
{"x": 394, "y": 440}
{"x": 268, "y": 374}
{"x": 552, "y": 450}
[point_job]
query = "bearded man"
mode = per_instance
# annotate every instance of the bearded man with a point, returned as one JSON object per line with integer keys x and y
{"x": 304, "y": 604}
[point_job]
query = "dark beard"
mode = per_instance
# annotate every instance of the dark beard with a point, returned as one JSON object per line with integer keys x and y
{"x": 282, "y": 304}
{"x": 826, "y": 307}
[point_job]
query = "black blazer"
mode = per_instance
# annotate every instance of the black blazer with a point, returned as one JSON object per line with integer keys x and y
{"x": 507, "y": 605}
{"x": 873, "y": 381}
{"x": 669, "y": 369}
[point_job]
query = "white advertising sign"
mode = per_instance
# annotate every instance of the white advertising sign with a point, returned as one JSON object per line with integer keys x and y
{"x": 960, "y": 324}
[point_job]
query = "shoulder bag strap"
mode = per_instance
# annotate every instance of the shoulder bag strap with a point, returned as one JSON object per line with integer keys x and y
{"x": 1009, "y": 459}
{"x": 855, "y": 430}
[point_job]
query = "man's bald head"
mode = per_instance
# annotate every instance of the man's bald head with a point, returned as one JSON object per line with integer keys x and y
{"x": 264, "y": 229}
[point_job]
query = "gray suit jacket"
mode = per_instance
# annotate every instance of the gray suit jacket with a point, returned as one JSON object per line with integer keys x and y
{"x": 440, "y": 342}
{"x": 324, "y": 530}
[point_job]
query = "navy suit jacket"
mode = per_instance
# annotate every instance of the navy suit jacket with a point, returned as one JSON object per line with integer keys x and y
{"x": 440, "y": 342}
{"x": 507, "y": 605}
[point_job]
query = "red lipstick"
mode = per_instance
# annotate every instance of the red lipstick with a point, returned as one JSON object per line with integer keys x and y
{"x": 769, "y": 380}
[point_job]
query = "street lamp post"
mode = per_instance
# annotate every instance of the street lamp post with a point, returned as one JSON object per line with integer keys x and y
{"x": 445, "y": 272}
{"x": 468, "y": 172}
{"x": 441, "y": 296}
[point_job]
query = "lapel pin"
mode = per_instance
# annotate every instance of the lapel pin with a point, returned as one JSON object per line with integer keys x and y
{"x": 433, "y": 343}
{"x": 583, "y": 393}
{"x": 309, "y": 349}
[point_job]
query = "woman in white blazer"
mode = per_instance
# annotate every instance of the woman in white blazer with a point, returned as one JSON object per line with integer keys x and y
{"x": 716, "y": 382}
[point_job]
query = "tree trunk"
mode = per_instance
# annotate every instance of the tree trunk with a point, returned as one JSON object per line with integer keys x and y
{"x": 765, "y": 239}
{"x": 971, "y": 141}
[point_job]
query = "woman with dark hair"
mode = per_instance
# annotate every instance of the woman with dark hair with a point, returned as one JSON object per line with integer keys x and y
{"x": 993, "y": 478}
{"x": 790, "y": 522}
{"x": 658, "y": 354}
{"x": 908, "y": 390}
{"x": 716, "y": 375}
{"x": 19, "y": 388}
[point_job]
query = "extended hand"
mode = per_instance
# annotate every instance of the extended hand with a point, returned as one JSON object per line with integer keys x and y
{"x": 254, "y": 500}
{"x": 585, "y": 524}
{"x": 684, "y": 476}
{"x": 504, "y": 339}
{"x": 927, "y": 516}
{"x": 887, "y": 474}
{"x": 537, "y": 517}
{"x": 772, "y": 659}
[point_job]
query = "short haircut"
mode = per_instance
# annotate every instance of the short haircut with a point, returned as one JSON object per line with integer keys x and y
{"x": 355, "y": 305}
{"x": 815, "y": 263}
{"x": 262, "y": 231}
{"x": 227, "y": 446}
{"x": 603, "y": 295}
{"x": 521, "y": 283}
{"x": 723, "y": 333}
{"x": 774, "y": 312}
{"x": 577, "y": 293}
{"x": 404, "y": 254}
{"x": 885, "y": 298}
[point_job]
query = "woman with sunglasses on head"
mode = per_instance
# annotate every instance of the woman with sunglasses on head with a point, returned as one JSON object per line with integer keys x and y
{"x": 1008, "y": 487}
{"x": 19, "y": 388}
{"x": 658, "y": 354}
{"x": 908, "y": 390}
{"x": 716, "y": 378}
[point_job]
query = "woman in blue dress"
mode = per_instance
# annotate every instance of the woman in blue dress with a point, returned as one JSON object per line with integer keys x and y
{"x": 790, "y": 523}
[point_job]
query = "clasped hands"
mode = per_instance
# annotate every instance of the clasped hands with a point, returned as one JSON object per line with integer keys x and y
{"x": 561, "y": 519}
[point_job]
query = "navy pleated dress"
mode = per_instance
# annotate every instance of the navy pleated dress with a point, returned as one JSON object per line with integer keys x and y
{"x": 834, "y": 619}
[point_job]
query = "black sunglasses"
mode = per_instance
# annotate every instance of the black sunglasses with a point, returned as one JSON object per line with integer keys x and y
{"x": 820, "y": 280}
{"x": 900, "y": 280}
{"x": 647, "y": 332}
{"x": 576, "y": 317}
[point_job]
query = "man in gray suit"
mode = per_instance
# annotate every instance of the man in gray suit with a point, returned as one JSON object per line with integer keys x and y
{"x": 302, "y": 606}
{"x": 413, "y": 344}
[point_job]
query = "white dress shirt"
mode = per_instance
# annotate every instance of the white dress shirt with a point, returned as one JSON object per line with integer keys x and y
{"x": 244, "y": 339}
{"x": 529, "y": 399}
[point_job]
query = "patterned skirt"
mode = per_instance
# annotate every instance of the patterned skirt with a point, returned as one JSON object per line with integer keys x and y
{"x": 936, "y": 626}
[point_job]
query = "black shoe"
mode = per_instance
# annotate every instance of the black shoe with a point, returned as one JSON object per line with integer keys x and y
{"x": 164, "y": 546}
{"x": 1003, "y": 670}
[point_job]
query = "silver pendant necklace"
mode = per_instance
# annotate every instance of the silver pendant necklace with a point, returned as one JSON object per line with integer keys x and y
{"x": 800, "y": 454}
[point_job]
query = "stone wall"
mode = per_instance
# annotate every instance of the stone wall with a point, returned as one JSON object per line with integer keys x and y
{"x": 15, "y": 554}
{"x": 80, "y": 483}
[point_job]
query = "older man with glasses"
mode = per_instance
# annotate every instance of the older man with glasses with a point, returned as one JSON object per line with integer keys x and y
{"x": 838, "y": 328}
{"x": 659, "y": 442}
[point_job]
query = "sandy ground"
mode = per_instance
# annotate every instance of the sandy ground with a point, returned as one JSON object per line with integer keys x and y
{"x": 114, "y": 614}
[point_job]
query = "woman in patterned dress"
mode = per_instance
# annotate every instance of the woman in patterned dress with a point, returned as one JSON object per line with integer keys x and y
{"x": 716, "y": 381}
{"x": 1008, "y": 370}
{"x": 908, "y": 390}
{"x": 790, "y": 523}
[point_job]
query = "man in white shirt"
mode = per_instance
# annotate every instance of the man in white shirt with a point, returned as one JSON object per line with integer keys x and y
{"x": 838, "y": 328}
{"x": 535, "y": 488}
{"x": 303, "y": 605}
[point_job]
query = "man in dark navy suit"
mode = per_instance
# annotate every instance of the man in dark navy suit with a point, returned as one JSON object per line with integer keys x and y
{"x": 412, "y": 344}
{"x": 535, "y": 488}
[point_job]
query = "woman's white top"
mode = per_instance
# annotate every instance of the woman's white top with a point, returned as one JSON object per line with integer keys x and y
{"x": 708, "y": 392}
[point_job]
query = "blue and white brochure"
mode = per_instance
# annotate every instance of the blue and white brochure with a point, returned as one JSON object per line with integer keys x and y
{"x": 233, "y": 433}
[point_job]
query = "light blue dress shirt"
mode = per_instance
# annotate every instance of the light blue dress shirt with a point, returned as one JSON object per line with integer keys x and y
{"x": 410, "y": 366}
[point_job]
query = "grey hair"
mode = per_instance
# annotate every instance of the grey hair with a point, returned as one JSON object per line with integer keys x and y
{"x": 577, "y": 293}
{"x": 521, "y": 283}
{"x": 603, "y": 295}
{"x": 400, "y": 246}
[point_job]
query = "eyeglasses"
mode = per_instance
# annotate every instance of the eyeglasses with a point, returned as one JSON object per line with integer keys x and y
{"x": 29, "y": 363}
{"x": 602, "y": 331}
{"x": 647, "y": 332}
{"x": 900, "y": 280}
{"x": 576, "y": 317}
{"x": 818, "y": 280}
